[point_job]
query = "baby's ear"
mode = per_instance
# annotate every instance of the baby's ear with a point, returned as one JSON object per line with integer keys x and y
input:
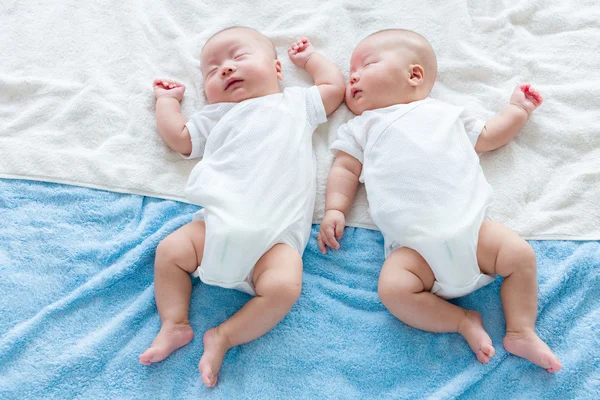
{"x": 417, "y": 75}
{"x": 278, "y": 69}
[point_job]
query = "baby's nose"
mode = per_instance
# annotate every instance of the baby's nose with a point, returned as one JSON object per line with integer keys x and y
{"x": 227, "y": 70}
{"x": 354, "y": 78}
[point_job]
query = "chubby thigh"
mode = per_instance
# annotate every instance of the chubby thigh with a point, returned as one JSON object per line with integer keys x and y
{"x": 279, "y": 272}
{"x": 494, "y": 239}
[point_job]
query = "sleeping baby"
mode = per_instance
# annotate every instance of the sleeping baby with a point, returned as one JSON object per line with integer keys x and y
{"x": 256, "y": 181}
{"x": 428, "y": 196}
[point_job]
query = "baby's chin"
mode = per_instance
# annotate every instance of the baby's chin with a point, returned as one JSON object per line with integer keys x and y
{"x": 358, "y": 107}
{"x": 231, "y": 98}
{"x": 242, "y": 94}
{"x": 354, "y": 107}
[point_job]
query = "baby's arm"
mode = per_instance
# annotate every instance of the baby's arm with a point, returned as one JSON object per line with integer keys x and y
{"x": 326, "y": 75}
{"x": 503, "y": 127}
{"x": 169, "y": 121}
{"x": 341, "y": 190}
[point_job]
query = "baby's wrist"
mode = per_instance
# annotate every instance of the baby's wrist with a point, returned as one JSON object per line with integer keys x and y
{"x": 167, "y": 96}
{"x": 334, "y": 210}
{"x": 519, "y": 107}
{"x": 308, "y": 59}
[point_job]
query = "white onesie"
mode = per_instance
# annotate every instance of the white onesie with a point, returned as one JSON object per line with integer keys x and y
{"x": 425, "y": 187}
{"x": 256, "y": 180}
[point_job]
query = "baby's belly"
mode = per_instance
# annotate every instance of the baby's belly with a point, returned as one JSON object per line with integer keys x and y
{"x": 421, "y": 205}
{"x": 253, "y": 193}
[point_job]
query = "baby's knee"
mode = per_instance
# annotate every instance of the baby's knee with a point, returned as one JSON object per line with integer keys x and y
{"x": 524, "y": 255}
{"x": 286, "y": 290}
{"x": 169, "y": 252}
{"x": 519, "y": 258}
{"x": 393, "y": 289}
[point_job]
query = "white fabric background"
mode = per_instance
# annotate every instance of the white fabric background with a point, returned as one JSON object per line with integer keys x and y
{"x": 76, "y": 104}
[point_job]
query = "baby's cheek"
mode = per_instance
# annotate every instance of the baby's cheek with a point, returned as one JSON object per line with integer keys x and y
{"x": 211, "y": 93}
{"x": 348, "y": 96}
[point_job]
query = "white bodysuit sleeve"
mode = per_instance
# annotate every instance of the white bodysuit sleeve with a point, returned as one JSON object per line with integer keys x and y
{"x": 200, "y": 125}
{"x": 351, "y": 139}
{"x": 308, "y": 105}
{"x": 473, "y": 126}
{"x": 315, "y": 110}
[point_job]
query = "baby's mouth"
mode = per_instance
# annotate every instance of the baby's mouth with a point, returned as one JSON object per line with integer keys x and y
{"x": 232, "y": 82}
{"x": 355, "y": 92}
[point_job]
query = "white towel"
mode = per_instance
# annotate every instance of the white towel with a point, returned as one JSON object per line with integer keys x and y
{"x": 76, "y": 103}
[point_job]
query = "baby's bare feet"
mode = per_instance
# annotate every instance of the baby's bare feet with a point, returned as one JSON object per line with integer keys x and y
{"x": 170, "y": 338}
{"x": 215, "y": 347}
{"x": 471, "y": 328}
{"x": 528, "y": 345}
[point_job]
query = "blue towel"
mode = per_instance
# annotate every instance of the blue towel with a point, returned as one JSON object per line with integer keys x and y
{"x": 77, "y": 308}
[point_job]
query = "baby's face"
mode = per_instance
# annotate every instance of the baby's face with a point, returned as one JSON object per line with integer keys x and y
{"x": 237, "y": 65}
{"x": 379, "y": 76}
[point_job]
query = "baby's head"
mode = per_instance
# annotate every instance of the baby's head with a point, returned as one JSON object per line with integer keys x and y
{"x": 237, "y": 64}
{"x": 393, "y": 66}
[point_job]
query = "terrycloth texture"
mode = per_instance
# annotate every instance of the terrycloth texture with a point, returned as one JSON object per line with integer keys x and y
{"x": 77, "y": 307}
{"x": 76, "y": 104}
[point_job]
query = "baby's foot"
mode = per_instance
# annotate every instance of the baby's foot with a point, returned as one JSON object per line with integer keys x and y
{"x": 471, "y": 328}
{"x": 215, "y": 347}
{"x": 528, "y": 345}
{"x": 170, "y": 338}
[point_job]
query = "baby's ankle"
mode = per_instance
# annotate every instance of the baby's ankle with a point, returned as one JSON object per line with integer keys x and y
{"x": 221, "y": 338}
{"x": 464, "y": 322}
{"x": 176, "y": 324}
{"x": 519, "y": 332}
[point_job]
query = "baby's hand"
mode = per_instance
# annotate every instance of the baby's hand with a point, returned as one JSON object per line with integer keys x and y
{"x": 332, "y": 229}
{"x": 526, "y": 97}
{"x": 168, "y": 88}
{"x": 301, "y": 51}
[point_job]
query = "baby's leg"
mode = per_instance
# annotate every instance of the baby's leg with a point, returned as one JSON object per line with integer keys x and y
{"x": 277, "y": 279}
{"x": 501, "y": 251}
{"x": 404, "y": 286}
{"x": 177, "y": 256}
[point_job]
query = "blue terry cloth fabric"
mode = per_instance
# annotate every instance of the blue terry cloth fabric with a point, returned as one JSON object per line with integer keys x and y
{"x": 77, "y": 308}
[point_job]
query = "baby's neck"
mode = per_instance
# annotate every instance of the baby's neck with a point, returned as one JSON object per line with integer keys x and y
{"x": 405, "y": 100}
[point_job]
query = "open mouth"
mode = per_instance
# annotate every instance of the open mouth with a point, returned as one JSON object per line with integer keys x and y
{"x": 355, "y": 92}
{"x": 232, "y": 82}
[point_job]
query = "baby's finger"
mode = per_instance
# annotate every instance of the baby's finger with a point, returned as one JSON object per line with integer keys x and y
{"x": 331, "y": 237}
{"x": 536, "y": 95}
{"x": 321, "y": 244}
{"x": 339, "y": 231}
{"x": 323, "y": 236}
